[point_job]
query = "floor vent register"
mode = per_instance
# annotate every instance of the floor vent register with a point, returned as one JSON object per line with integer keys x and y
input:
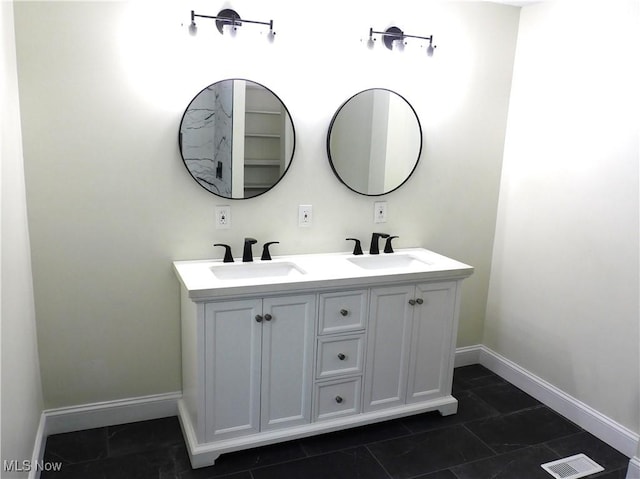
{"x": 572, "y": 467}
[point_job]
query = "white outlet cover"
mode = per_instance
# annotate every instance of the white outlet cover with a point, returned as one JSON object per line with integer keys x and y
{"x": 223, "y": 217}
{"x": 380, "y": 212}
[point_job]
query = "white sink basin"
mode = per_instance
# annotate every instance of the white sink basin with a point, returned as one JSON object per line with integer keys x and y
{"x": 228, "y": 271}
{"x": 388, "y": 261}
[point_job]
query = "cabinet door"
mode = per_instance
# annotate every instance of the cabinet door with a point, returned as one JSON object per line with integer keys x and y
{"x": 431, "y": 342}
{"x": 388, "y": 347}
{"x": 287, "y": 360}
{"x": 232, "y": 368}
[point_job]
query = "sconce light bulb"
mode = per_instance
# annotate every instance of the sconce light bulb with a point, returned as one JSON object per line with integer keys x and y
{"x": 233, "y": 31}
{"x": 193, "y": 29}
{"x": 398, "y": 45}
{"x": 370, "y": 43}
{"x": 271, "y": 36}
{"x": 430, "y": 50}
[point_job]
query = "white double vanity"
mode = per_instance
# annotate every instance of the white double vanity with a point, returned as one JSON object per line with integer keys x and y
{"x": 308, "y": 344}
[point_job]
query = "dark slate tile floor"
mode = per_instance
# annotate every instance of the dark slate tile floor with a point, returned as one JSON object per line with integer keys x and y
{"x": 499, "y": 432}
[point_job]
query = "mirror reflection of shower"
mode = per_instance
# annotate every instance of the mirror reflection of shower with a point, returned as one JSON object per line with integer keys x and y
{"x": 237, "y": 139}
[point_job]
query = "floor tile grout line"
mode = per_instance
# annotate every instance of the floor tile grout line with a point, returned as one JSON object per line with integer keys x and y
{"x": 304, "y": 449}
{"x": 422, "y": 474}
{"x": 480, "y": 439}
{"x": 496, "y": 456}
{"x": 463, "y": 423}
{"x": 522, "y": 449}
{"x": 108, "y": 442}
{"x": 479, "y": 399}
{"x": 66, "y": 462}
{"x": 434, "y": 428}
{"x": 375, "y": 458}
{"x": 508, "y": 414}
{"x": 252, "y": 469}
{"x": 546, "y": 443}
{"x": 365, "y": 444}
{"x": 502, "y": 382}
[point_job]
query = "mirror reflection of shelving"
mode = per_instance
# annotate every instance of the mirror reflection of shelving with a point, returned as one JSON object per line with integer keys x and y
{"x": 266, "y": 134}
{"x": 231, "y": 121}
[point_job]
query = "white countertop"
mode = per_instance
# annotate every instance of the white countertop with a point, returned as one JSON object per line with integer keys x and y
{"x": 316, "y": 271}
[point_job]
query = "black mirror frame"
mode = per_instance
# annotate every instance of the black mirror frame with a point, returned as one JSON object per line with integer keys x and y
{"x": 328, "y": 142}
{"x": 293, "y": 149}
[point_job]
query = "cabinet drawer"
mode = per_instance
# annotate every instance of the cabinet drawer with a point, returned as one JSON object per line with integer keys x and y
{"x": 340, "y": 356}
{"x": 337, "y": 398}
{"x": 342, "y": 311}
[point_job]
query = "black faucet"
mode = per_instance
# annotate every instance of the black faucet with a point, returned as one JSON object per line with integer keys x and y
{"x": 374, "y": 249}
{"x": 266, "y": 256}
{"x": 387, "y": 246}
{"x": 228, "y": 257}
{"x": 357, "y": 249}
{"x": 247, "y": 254}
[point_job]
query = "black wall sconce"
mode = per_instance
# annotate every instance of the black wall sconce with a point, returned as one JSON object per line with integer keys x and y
{"x": 394, "y": 38}
{"x": 231, "y": 18}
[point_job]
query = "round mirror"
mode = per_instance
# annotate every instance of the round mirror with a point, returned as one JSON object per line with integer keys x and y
{"x": 374, "y": 142}
{"x": 237, "y": 138}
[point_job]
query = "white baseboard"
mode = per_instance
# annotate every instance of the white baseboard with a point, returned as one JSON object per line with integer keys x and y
{"x": 634, "y": 468}
{"x": 604, "y": 428}
{"x": 38, "y": 448}
{"x": 467, "y": 355}
{"x": 107, "y": 413}
{"x": 110, "y": 413}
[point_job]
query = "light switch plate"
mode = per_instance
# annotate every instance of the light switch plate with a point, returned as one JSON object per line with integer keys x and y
{"x": 304, "y": 215}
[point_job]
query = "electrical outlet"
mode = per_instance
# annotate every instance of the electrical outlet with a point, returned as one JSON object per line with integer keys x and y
{"x": 304, "y": 215}
{"x": 223, "y": 217}
{"x": 380, "y": 212}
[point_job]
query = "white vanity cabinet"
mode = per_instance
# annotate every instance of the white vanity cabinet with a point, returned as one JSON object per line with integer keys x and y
{"x": 247, "y": 364}
{"x": 410, "y": 340}
{"x": 258, "y": 356}
{"x": 335, "y": 346}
